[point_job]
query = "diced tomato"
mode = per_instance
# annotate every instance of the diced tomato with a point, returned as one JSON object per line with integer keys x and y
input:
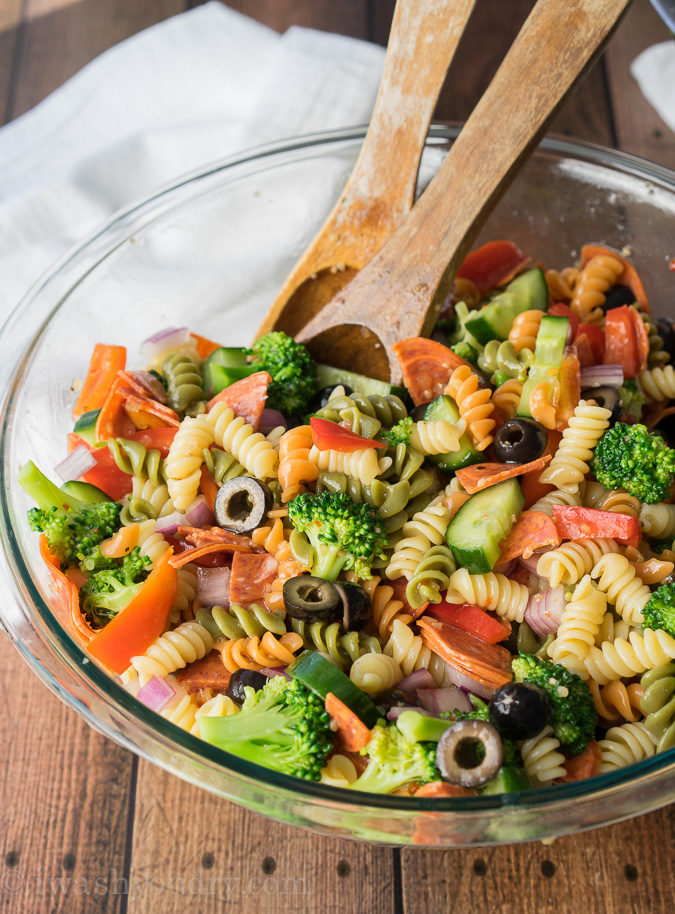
{"x": 586, "y": 765}
{"x": 426, "y": 366}
{"x": 329, "y": 436}
{"x": 105, "y": 362}
{"x": 589, "y": 523}
{"x": 621, "y": 346}
{"x": 493, "y": 264}
{"x": 471, "y": 618}
{"x": 106, "y": 475}
{"x": 570, "y": 388}
{"x": 205, "y": 346}
{"x": 560, "y": 309}
{"x": 629, "y": 277}
{"x": 246, "y": 398}
{"x": 252, "y": 574}
{"x": 596, "y": 338}
{"x": 531, "y": 531}
{"x": 584, "y": 351}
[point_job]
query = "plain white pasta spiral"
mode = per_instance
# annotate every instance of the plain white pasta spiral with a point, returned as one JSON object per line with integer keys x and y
{"x": 233, "y": 434}
{"x": 626, "y": 745}
{"x": 375, "y": 673}
{"x": 625, "y": 590}
{"x": 557, "y": 497}
{"x": 363, "y": 464}
{"x": 658, "y": 384}
{"x": 570, "y": 562}
{"x": 172, "y": 651}
{"x": 410, "y": 653}
{"x": 438, "y": 437}
{"x": 218, "y": 706}
{"x": 425, "y": 529}
{"x": 157, "y": 496}
{"x": 579, "y": 625}
{"x": 611, "y": 629}
{"x": 658, "y": 521}
{"x": 182, "y": 712}
{"x": 150, "y": 541}
{"x": 183, "y": 463}
{"x": 186, "y": 593}
{"x": 570, "y": 463}
{"x": 339, "y": 771}
{"x": 541, "y": 759}
{"x": 625, "y": 658}
{"x": 491, "y": 591}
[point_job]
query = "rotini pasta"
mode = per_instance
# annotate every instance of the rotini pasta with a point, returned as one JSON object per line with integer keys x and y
{"x": 410, "y": 652}
{"x": 617, "y": 578}
{"x": 502, "y": 357}
{"x": 295, "y": 467}
{"x": 617, "y": 701}
{"x": 640, "y": 652}
{"x": 658, "y": 521}
{"x": 570, "y": 562}
{"x": 542, "y": 404}
{"x": 595, "y": 280}
{"x": 330, "y": 639}
{"x": 612, "y": 628}
{"x": 184, "y": 460}
{"x": 474, "y": 404}
{"x": 134, "y": 458}
{"x": 430, "y": 577}
{"x": 221, "y": 465}
{"x": 579, "y": 626}
{"x": 339, "y": 771}
{"x": 436, "y": 437}
{"x": 615, "y": 500}
{"x": 240, "y": 621}
{"x": 507, "y": 397}
{"x": 541, "y": 759}
{"x": 523, "y": 332}
{"x": 183, "y": 713}
{"x": 257, "y": 653}
{"x": 253, "y": 451}
{"x": 492, "y": 591}
{"x": 658, "y": 356}
{"x": 658, "y": 703}
{"x": 425, "y": 529}
{"x": 658, "y": 384}
{"x": 625, "y": 745}
{"x": 172, "y": 651}
{"x": 363, "y": 465}
{"x": 556, "y": 497}
{"x": 150, "y": 541}
{"x": 561, "y": 283}
{"x": 183, "y": 381}
{"x": 570, "y": 462}
{"x": 375, "y": 673}
{"x": 385, "y": 606}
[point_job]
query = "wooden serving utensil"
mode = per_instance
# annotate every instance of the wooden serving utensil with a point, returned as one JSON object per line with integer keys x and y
{"x": 400, "y": 292}
{"x": 380, "y": 191}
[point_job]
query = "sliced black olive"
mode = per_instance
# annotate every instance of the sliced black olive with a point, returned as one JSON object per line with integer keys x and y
{"x": 355, "y": 605}
{"x": 519, "y": 441}
{"x": 241, "y": 679}
{"x": 310, "y": 599}
{"x": 469, "y": 753}
{"x": 666, "y": 330}
{"x": 321, "y": 398}
{"x": 607, "y": 397}
{"x": 242, "y": 504}
{"x": 419, "y": 411}
{"x": 666, "y": 429}
{"x": 617, "y": 296}
{"x": 519, "y": 710}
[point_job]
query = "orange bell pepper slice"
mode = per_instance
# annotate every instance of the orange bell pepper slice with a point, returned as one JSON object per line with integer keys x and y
{"x": 352, "y": 732}
{"x": 105, "y": 362}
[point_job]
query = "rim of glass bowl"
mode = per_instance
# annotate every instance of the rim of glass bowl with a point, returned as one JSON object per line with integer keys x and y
{"x": 172, "y": 737}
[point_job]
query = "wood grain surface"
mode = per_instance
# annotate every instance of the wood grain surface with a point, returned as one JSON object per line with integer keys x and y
{"x": 84, "y": 826}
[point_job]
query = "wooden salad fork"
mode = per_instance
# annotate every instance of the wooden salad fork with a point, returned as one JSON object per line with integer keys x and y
{"x": 380, "y": 191}
{"x": 400, "y": 292}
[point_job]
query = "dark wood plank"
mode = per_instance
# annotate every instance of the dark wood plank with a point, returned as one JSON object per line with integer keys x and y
{"x": 639, "y": 128}
{"x": 64, "y": 803}
{"x": 10, "y": 19}
{"x": 625, "y": 868}
{"x": 207, "y": 855}
{"x": 61, "y": 36}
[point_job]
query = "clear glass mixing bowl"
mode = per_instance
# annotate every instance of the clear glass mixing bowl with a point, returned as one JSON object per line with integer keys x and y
{"x": 210, "y": 252}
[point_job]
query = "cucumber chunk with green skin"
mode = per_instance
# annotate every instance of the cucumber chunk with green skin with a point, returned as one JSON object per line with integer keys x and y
{"x": 328, "y": 377}
{"x": 548, "y": 355}
{"x": 507, "y": 780}
{"x": 223, "y": 367}
{"x": 321, "y": 677}
{"x": 527, "y": 292}
{"x": 480, "y": 525}
{"x": 444, "y": 408}
{"x": 85, "y": 426}
{"x": 85, "y": 491}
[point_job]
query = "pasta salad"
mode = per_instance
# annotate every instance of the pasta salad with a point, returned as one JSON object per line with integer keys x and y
{"x": 459, "y": 586}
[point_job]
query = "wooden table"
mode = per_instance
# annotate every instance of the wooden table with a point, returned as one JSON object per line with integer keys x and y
{"x": 86, "y": 827}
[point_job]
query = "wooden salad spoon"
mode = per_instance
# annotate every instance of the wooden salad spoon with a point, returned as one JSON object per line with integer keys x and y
{"x": 380, "y": 191}
{"x": 400, "y": 292}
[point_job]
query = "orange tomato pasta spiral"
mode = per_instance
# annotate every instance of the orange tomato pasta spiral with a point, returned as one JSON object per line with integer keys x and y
{"x": 617, "y": 700}
{"x": 385, "y": 606}
{"x": 595, "y": 280}
{"x": 541, "y": 407}
{"x": 507, "y": 397}
{"x": 474, "y": 405}
{"x": 295, "y": 467}
{"x": 274, "y": 540}
{"x": 523, "y": 333}
{"x": 561, "y": 283}
{"x": 256, "y": 653}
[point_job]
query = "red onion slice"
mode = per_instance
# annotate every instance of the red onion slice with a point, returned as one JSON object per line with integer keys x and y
{"x": 156, "y": 694}
{"x": 160, "y": 342}
{"x": 531, "y": 562}
{"x": 169, "y": 525}
{"x": 271, "y": 418}
{"x": 465, "y": 682}
{"x": 544, "y": 611}
{"x": 76, "y": 464}
{"x": 602, "y": 376}
{"x": 199, "y": 513}
{"x": 450, "y": 699}
{"x": 151, "y": 384}
{"x": 419, "y": 679}
{"x": 271, "y": 672}
{"x": 213, "y": 586}
{"x": 395, "y": 712}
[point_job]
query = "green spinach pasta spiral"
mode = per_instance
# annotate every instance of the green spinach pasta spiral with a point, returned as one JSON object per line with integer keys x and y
{"x": 328, "y": 638}
{"x": 503, "y": 357}
{"x": 183, "y": 381}
{"x": 658, "y": 703}
{"x": 222, "y": 465}
{"x": 134, "y": 458}
{"x": 240, "y": 622}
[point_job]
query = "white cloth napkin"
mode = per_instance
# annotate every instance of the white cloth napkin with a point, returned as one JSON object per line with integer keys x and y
{"x": 654, "y": 71}
{"x": 195, "y": 88}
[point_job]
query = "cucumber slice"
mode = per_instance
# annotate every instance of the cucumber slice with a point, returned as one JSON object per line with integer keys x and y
{"x": 444, "y": 408}
{"x": 493, "y": 321}
{"x": 85, "y": 426}
{"x": 321, "y": 677}
{"x": 85, "y": 491}
{"x": 223, "y": 367}
{"x": 507, "y": 780}
{"x": 475, "y": 532}
{"x": 548, "y": 356}
{"x": 328, "y": 376}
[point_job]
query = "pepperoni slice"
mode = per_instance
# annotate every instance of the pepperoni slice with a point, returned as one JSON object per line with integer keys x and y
{"x": 483, "y": 475}
{"x": 246, "y": 397}
{"x": 531, "y": 531}
{"x": 207, "y": 673}
{"x": 252, "y": 573}
{"x": 426, "y": 366}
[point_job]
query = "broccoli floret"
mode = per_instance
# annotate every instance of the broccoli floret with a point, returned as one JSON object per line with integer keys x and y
{"x": 73, "y": 528}
{"x": 399, "y": 433}
{"x": 659, "y": 546}
{"x": 112, "y": 583}
{"x": 573, "y": 714}
{"x": 466, "y": 351}
{"x": 629, "y": 457}
{"x": 394, "y": 762}
{"x": 632, "y": 399}
{"x": 282, "y": 726}
{"x": 294, "y": 381}
{"x": 342, "y": 532}
{"x": 660, "y": 609}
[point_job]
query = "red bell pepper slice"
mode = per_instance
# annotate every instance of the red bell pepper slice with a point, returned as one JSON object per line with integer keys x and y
{"x": 596, "y": 337}
{"x": 329, "y": 436}
{"x": 158, "y": 438}
{"x": 493, "y": 264}
{"x": 471, "y": 618}
{"x": 246, "y": 398}
{"x": 590, "y": 523}
{"x": 106, "y": 475}
{"x": 641, "y": 339}
{"x": 351, "y": 731}
{"x": 621, "y": 345}
{"x": 426, "y": 366}
{"x": 132, "y": 631}
{"x": 105, "y": 363}
{"x": 629, "y": 277}
{"x": 560, "y": 309}
{"x": 67, "y": 604}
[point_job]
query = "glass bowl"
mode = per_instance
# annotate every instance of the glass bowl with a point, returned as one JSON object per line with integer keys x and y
{"x": 211, "y": 252}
